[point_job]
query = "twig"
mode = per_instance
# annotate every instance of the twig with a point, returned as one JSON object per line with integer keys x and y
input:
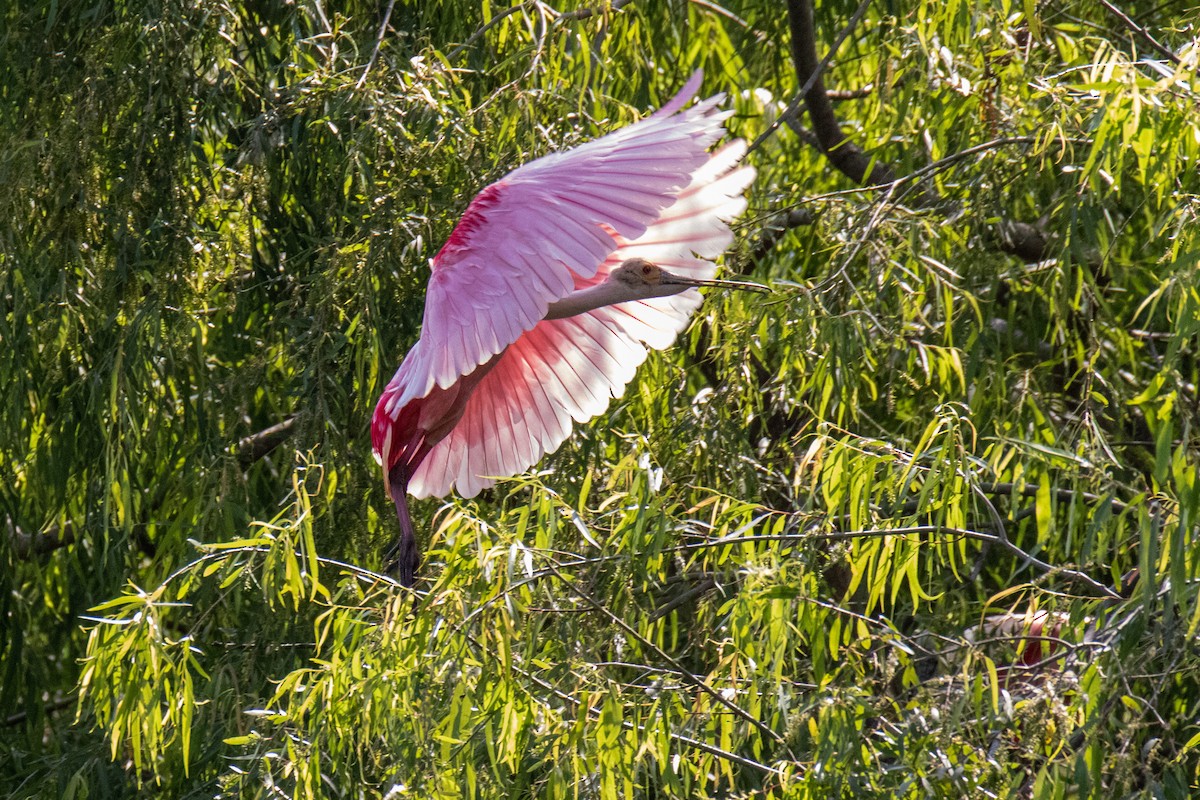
{"x": 49, "y": 708}
{"x": 1024, "y": 490}
{"x": 771, "y": 233}
{"x": 26, "y": 544}
{"x": 1031, "y": 490}
{"x": 724, "y": 12}
{"x": 702, "y": 587}
{"x": 695, "y": 744}
{"x": 1144, "y": 34}
{"x": 567, "y": 16}
{"x": 485, "y": 27}
{"x": 839, "y": 95}
{"x": 684, "y": 674}
{"x": 942, "y": 530}
{"x": 584, "y": 13}
{"x": 387, "y": 18}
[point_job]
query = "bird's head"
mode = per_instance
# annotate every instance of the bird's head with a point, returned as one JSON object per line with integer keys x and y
{"x": 637, "y": 272}
{"x": 646, "y": 279}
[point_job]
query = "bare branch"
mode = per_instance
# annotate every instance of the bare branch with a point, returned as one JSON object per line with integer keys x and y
{"x": 257, "y": 446}
{"x": 794, "y": 106}
{"x": 849, "y": 159}
{"x": 387, "y": 18}
{"x": 1141, "y": 32}
{"x": 26, "y": 545}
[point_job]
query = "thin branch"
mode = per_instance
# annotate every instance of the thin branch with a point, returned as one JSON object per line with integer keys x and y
{"x": 840, "y": 95}
{"x": 1031, "y": 490}
{"x": 26, "y": 544}
{"x": 563, "y": 696}
{"x": 772, "y": 232}
{"x": 1046, "y": 568}
{"x": 387, "y": 18}
{"x": 687, "y": 741}
{"x": 687, "y": 597}
{"x": 1021, "y": 245}
{"x": 49, "y": 708}
{"x": 557, "y": 16}
{"x": 724, "y": 12}
{"x": 1141, "y": 32}
{"x": 684, "y": 674}
{"x": 485, "y": 27}
{"x": 584, "y": 13}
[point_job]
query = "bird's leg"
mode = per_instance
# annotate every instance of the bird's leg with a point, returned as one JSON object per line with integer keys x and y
{"x": 402, "y": 558}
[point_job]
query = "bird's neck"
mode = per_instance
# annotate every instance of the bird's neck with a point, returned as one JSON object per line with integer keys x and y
{"x": 603, "y": 294}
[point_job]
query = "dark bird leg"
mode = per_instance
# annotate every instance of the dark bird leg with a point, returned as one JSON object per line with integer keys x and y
{"x": 402, "y": 557}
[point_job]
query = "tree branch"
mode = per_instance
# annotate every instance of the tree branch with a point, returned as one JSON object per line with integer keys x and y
{"x": 846, "y": 156}
{"x": 1141, "y": 32}
{"x": 793, "y": 107}
{"x": 383, "y": 26}
{"x": 26, "y": 545}
{"x": 49, "y": 707}
{"x": 594, "y": 713}
{"x": 257, "y": 446}
{"x": 770, "y": 234}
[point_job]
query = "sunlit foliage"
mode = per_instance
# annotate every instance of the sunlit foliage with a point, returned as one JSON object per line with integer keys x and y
{"x": 921, "y": 523}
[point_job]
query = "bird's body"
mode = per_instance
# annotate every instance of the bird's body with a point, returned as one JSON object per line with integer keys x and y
{"x": 543, "y": 300}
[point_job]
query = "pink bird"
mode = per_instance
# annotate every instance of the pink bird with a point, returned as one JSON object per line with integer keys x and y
{"x": 542, "y": 302}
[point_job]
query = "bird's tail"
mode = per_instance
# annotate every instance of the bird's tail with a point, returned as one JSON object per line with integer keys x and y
{"x": 402, "y": 557}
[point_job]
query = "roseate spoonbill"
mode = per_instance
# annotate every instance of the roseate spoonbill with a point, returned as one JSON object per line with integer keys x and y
{"x": 542, "y": 302}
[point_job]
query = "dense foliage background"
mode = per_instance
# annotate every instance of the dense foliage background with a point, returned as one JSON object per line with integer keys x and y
{"x": 922, "y": 523}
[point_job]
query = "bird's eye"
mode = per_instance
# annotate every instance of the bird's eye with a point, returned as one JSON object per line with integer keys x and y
{"x": 646, "y": 269}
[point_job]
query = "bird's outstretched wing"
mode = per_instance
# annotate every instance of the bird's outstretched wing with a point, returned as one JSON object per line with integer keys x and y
{"x": 569, "y": 369}
{"x": 527, "y": 239}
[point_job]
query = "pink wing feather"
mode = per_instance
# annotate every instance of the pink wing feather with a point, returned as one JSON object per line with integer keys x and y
{"x": 570, "y": 369}
{"x": 523, "y": 240}
{"x": 552, "y": 226}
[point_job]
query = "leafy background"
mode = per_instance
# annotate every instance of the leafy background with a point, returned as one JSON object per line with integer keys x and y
{"x": 921, "y": 523}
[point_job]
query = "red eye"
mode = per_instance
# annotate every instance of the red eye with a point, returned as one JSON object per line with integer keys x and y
{"x": 645, "y": 269}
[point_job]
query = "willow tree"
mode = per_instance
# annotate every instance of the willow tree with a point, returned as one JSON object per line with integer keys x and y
{"x": 920, "y": 523}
